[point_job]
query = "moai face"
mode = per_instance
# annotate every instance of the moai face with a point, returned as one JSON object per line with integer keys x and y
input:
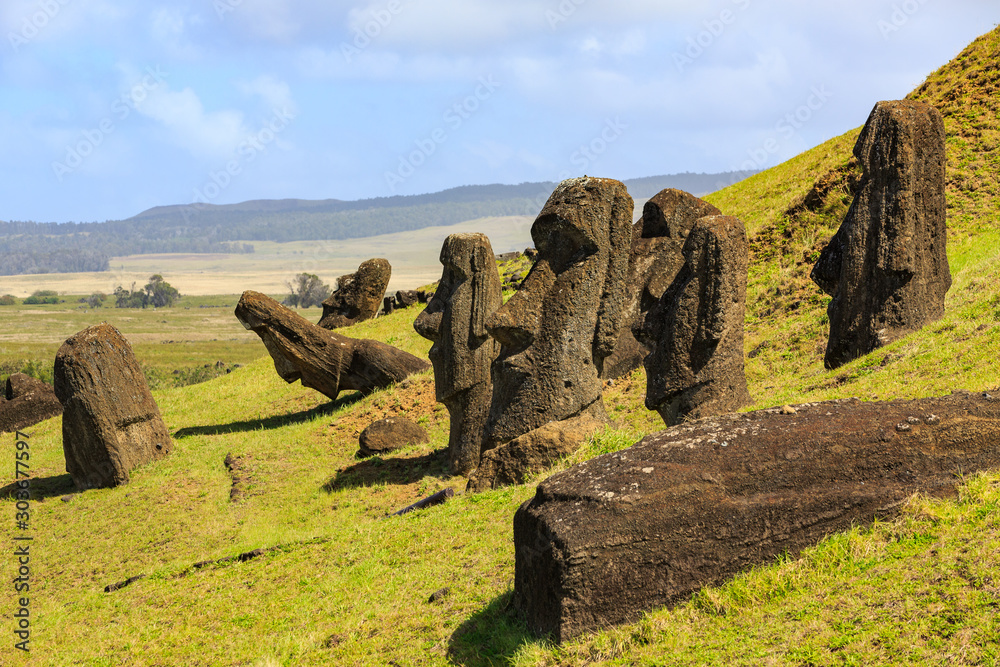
{"x": 455, "y": 317}
{"x": 557, "y": 330}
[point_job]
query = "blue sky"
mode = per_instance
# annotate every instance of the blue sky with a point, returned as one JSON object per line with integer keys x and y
{"x": 111, "y": 107}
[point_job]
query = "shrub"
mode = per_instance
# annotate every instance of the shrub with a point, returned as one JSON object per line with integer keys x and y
{"x": 8, "y": 300}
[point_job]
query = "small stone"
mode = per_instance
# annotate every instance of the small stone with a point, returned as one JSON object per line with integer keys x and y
{"x": 913, "y": 420}
{"x": 933, "y": 419}
{"x": 902, "y": 427}
{"x": 438, "y": 595}
{"x": 788, "y": 410}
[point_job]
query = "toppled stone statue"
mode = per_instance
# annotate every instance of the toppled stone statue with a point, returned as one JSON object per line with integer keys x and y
{"x": 455, "y": 319}
{"x": 557, "y": 330}
{"x": 321, "y": 359}
{"x": 657, "y": 240}
{"x": 358, "y": 296}
{"x": 695, "y": 330}
{"x": 25, "y": 402}
{"x": 887, "y": 266}
{"x": 110, "y": 423}
{"x": 618, "y": 535}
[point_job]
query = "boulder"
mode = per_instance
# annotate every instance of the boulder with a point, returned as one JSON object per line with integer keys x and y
{"x": 110, "y": 424}
{"x": 621, "y": 534}
{"x": 655, "y": 258}
{"x": 26, "y": 402}
{"x": 887, "y": 267}
{"x": 358, "y": 295}
{"x": 531, "y": 453}
{"x": 557, "y": 330}
{"x": 388, "y": 305}
{"x": 455, "y": 319}
{"x": 695, "y": 330}
{"x": 321, "y": 359}
{"x": 388, "y": 435}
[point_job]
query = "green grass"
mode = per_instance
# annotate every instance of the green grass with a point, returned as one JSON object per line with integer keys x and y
{"x": 349, "y": 585}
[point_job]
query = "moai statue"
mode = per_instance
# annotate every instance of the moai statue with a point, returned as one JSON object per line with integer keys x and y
{"x": 557, "y": 330}
{"x": 358, "y": 296}
{"x": 455, "y": 319}
{"x": 111, "y": 423}
{"x": 695, "y": 331}
{"x": 657, "y": 240}
{"x": 887, "y": 266}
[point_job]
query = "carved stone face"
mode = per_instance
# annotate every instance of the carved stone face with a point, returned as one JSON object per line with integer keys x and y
{"x": 555, "y": 332}
{"x": 455, "y": 317}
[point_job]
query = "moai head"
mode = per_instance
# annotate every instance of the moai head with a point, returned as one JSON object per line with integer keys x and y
{"x": 455, "y": 317}
{"x": 556, "y": 331}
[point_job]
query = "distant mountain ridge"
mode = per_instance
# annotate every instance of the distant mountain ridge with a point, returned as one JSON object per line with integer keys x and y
{"x": 32, "y": 247}
{"x": 640, "y": 188}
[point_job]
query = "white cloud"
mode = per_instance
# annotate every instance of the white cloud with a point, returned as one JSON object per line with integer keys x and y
{"x": 213, "y": 135}
{"x": 276, "y": 94}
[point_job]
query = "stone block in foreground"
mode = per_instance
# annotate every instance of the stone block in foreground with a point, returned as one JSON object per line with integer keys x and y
{"x": 690, "y": 506}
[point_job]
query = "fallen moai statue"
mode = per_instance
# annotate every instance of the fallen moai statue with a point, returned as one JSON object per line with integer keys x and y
{"x": 25, "y": 402}
{"x": 887, "y": 266}
{"x": 321, "y": 359}
{"x": 690, "y": 506}
{"x": 110, "y": 423}
{"x": 358, "y": 295}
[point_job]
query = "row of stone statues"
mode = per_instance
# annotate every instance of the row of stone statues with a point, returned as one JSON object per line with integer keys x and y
{"x": 504, "y": 370}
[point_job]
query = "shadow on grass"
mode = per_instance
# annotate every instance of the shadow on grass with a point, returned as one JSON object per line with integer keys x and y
{"x": 491, "y": 636}
{"x": 276, "y": 421}
{"x": 43, "y": 487}
{"x": 377, "y": 470}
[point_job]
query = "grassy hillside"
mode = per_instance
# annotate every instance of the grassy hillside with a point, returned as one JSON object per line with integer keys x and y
{"x": 341, "y": 583}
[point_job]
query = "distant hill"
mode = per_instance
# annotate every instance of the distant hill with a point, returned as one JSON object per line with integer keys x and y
{"x": 31, "y": 247}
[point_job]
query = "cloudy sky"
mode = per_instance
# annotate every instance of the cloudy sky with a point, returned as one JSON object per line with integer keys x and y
{"x": 110, "y": 107}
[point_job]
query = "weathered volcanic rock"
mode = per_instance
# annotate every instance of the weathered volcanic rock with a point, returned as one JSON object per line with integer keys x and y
{"x": 358, "y": 295}
{"x": 611, "y": 538}
{"x": 887, "y": 267}
{"x": 695, "y": 331}
{"x": 455, "y": 319}
{"x": 657, "y": 241}
{"x": 110, "y": 424}
{"x": 533, "y": 452}
{"x": 321, "y": 359}
{"x": 388, "y": 435}
{"x": 26, "y": 401}
{"x": 406, "y": 298}
{"x": 557, "y": 330}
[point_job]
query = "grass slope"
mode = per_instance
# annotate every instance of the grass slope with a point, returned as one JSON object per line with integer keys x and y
{"x": 348, "y": 585}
